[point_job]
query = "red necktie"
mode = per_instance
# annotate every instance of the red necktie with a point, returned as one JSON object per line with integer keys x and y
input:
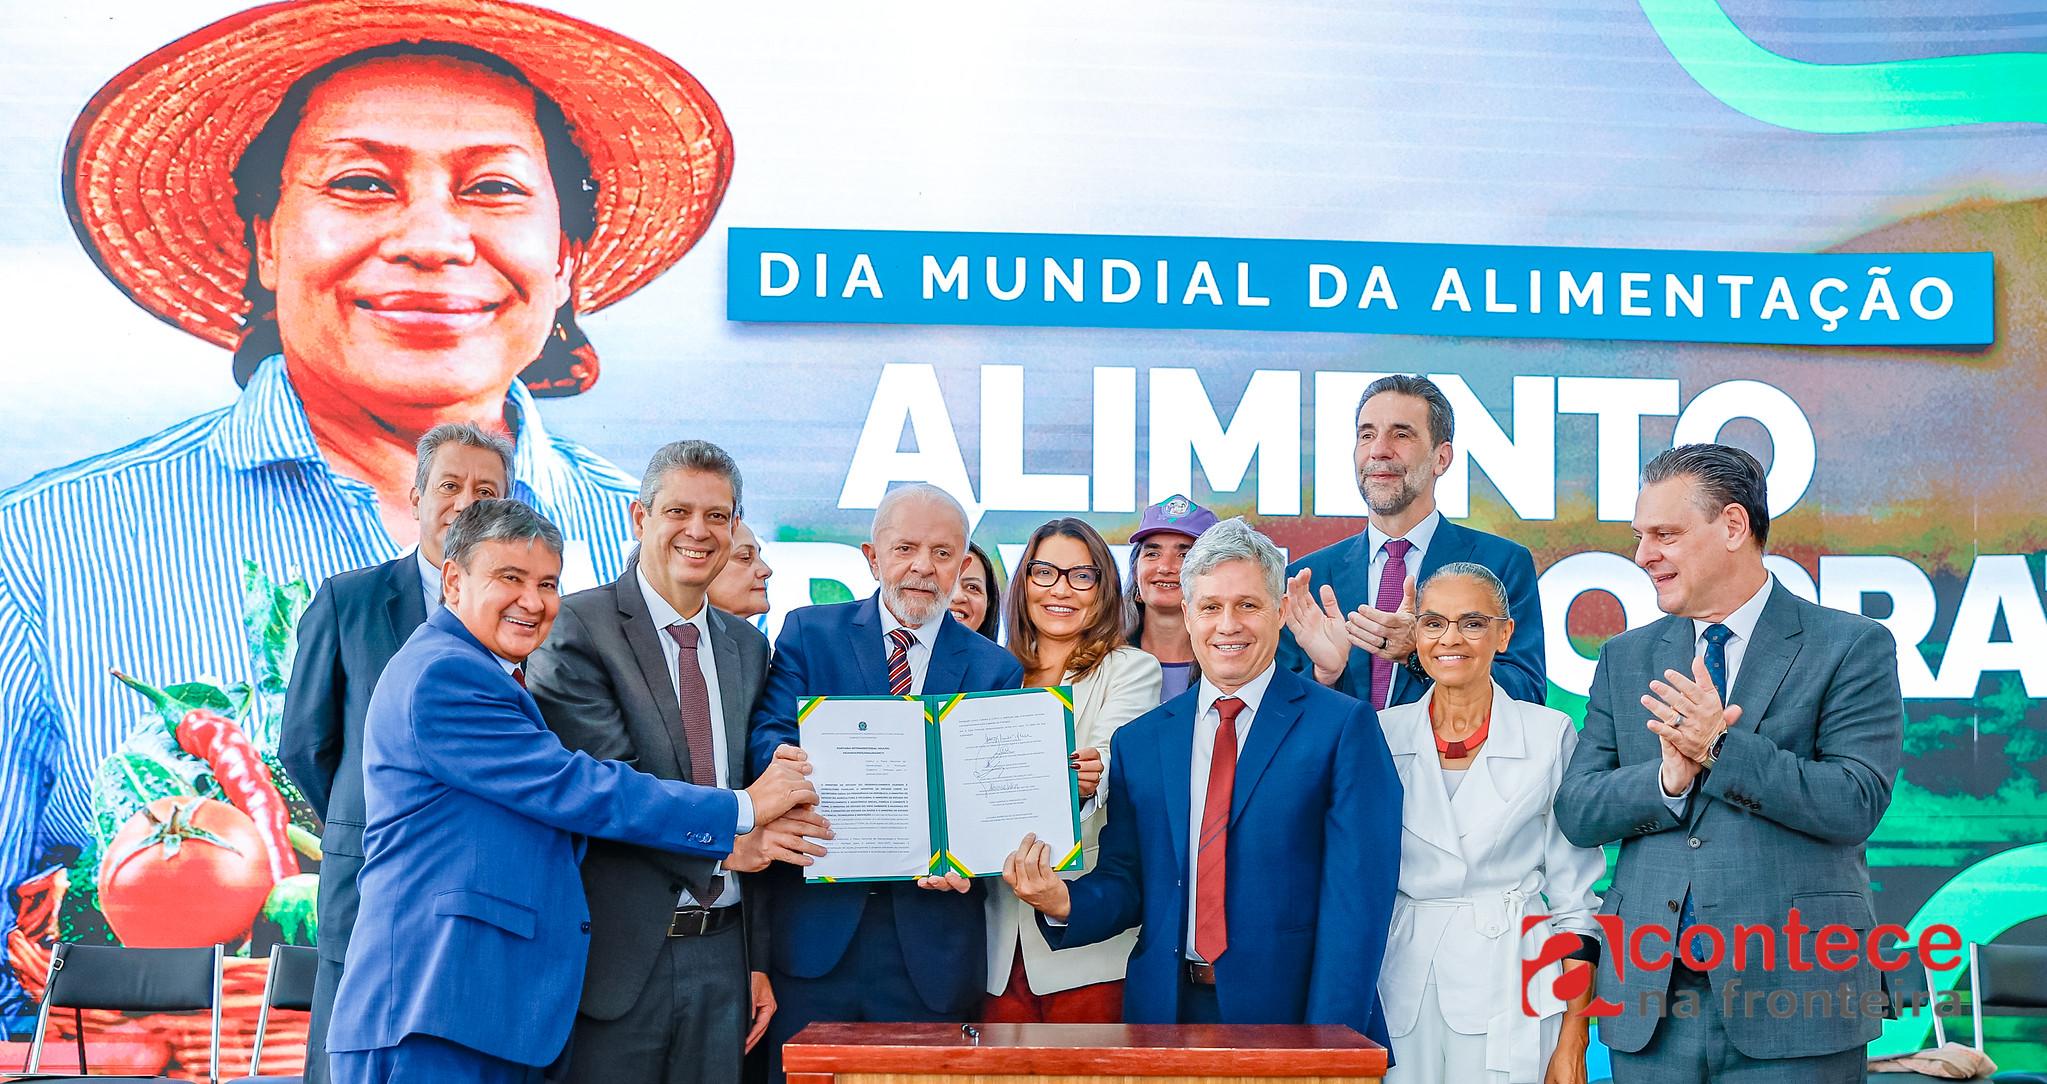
{"x": 899, "y": 661}
{"x": 1211, "y": 932}
{"x": 519, "y": 675}
{"x": 1392, "y": 582}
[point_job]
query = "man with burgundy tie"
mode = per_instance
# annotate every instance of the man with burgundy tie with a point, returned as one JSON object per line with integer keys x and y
{"x": 1404, "y": 428}
{"x": 1253, "y": 829}
{"x": 887, "y": 951}
{"x": 646, "y": 672}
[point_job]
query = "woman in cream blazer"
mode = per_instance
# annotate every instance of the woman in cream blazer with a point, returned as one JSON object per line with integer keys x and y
{"x": 1480, "y": 849}
{"x": 1065, "y": 626}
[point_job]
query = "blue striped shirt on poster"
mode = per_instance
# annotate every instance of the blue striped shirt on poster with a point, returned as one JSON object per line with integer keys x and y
{"x": 132, "y": 560}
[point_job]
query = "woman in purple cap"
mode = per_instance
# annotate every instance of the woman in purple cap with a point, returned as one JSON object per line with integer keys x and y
{"x": 1154, "y": 617}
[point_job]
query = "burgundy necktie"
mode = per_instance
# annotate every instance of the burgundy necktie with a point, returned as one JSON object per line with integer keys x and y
{"x": 696, "y": 721}
{"x": 1392, "y": 583}
{"x": 519, "y": 675}
{"x": 1211, "y": 931}
{"x": 899, "y": 661}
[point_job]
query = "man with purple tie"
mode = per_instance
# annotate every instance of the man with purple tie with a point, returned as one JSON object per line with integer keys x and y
{"x": 1367, "y": 581}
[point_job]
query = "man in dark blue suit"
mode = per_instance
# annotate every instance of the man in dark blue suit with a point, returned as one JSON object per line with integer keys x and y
{"x": 1253, "y": 831}
{"x": 840, "y": 952}
{"x": 1367, "y": 581}
{"x": 357, "y": 621}
{"x": 468, "y": 951}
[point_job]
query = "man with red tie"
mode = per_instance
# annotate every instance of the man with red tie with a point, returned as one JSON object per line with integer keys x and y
{"x": 1404, "y": 428}
{"x": 1256, "y": 770}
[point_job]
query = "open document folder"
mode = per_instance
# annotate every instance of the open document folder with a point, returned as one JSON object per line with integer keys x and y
{"x": 917, "y": 786}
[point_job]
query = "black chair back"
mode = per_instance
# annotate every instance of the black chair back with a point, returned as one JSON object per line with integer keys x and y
{"x": 2011, "y": 976}
{"x": 135, "y": 979}
{"x": 294, "y": 968}
{"x": 142, "y": 980}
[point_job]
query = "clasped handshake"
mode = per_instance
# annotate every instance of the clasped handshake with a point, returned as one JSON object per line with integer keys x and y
{"x": 786, "y": 824}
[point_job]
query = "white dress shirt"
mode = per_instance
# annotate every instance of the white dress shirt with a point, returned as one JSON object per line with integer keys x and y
{"x": 1207, "y": 721}
{"x": 919, "y": 650}
{"x": 429, "y": 581}
{"x": 1742, "y": 623}
{"x": 665, "y": 615}
{"x": 1419, "y": 537}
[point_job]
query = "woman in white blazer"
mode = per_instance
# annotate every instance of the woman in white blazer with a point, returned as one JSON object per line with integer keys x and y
{"x": 1065, "y": 626}
{"x": 1479, "y": 849}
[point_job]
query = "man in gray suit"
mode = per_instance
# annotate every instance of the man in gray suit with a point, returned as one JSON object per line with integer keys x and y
{"x": 645, "y": 671}
{"x": 1744, "y": 813}
{"x": 356, "y": 622}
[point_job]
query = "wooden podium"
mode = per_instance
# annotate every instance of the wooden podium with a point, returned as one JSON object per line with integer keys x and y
{"x": 1079, "y": 1054}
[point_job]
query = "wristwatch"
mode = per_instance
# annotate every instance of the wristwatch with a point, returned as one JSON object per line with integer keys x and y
{"x": 1713, "y": 750}
{"x": 1413, "y": 663}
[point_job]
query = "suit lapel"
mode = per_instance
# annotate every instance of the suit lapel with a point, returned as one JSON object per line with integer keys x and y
{"x": 1428, "y": 800}
{"x": 948, "y": 670}
{"x": 1175, "y": 751}
{"x": 867, "y": 653}
{"x": 1489, "y": 788}
{"x": 405, "y": 599}
{"x": 732, "y": 698}
{"x": 637, "y": 623}
{"x": 1276, "y": 715}
{"x": 1768, "y": 657}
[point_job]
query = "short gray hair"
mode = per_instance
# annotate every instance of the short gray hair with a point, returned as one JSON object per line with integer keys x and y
{"x": 698, "y": 455}
{"x": 464, "y": 434}
{"x": 923, "y": 491}
{"x": 497, "y": 521}
{"x": 1470, "y": 570}
{"x": 1442, "y": 420}
{"x": 1235, "y": 540}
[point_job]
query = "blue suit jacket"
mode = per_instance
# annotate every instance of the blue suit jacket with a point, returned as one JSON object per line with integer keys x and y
{"x": 1314, "y": 850}
{"x": 1347, "y": 566}
{"x": 473, "y": 926}
{"x": 837, "y": 651}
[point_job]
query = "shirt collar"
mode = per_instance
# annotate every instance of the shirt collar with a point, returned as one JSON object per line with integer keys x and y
{"x": 429, "y": 576}
{"x": 1419, "y": 535}
{"x": 267, "y": 424}
{"x": 665, "y": 615}
{"x": 927, "y": 634}
{"x": 1252, "y": 692}
{"x": 1742, "y": 622}
{"x": 506, "y": 663}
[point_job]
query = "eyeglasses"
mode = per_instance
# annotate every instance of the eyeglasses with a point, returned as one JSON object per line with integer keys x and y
{"x": 1081, "y": 577}
{"x": 1432, "y": 626}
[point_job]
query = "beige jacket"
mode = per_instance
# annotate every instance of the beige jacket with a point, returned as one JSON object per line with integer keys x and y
{"x": 1123, "y": 687}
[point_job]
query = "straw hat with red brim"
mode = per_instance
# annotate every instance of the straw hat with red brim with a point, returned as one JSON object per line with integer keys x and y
{"x": 147, "y": 172}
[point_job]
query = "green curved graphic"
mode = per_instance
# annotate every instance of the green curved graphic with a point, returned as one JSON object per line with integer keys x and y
{"x": 1982, "y": 901}
{"x": 1933, "y": 92}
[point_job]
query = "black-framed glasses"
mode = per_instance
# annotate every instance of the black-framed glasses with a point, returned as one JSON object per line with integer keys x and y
{"x": 1080, "y": 577}
{"x": 1432, "y": 626}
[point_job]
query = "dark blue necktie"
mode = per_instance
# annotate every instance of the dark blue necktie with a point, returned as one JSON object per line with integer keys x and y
{"x": 1716, "y": 671}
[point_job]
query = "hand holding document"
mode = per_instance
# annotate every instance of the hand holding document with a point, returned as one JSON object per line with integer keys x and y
{"x": 936, "y": 785}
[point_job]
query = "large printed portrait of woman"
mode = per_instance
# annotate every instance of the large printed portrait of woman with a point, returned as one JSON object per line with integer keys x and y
{"x": 387, "y": 214}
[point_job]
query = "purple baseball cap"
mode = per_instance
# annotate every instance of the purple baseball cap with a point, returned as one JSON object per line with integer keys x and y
{"x": 1177, "y": 514}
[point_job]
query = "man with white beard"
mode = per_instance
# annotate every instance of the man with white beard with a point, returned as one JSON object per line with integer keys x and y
{"x": 880, "y": 951}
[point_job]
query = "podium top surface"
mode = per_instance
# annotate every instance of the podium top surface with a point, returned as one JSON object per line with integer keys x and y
{"x": 1263, "y": 1050}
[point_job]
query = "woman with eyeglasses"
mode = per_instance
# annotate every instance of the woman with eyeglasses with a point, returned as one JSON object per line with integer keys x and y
{"x": 1066, "y": 628}
{"x": 1480, "y": 848}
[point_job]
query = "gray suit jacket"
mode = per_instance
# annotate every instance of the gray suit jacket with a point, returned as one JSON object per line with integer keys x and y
{"x": 603, "y": 687}
{"x": 1779, "y": 822}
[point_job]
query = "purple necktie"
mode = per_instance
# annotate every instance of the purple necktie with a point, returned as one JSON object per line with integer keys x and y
{"x": 1392, "y": 583}
{"x": 694, "y": 697}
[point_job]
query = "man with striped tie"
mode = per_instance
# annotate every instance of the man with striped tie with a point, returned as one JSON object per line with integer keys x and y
{"x": 890, "y": 951}
{"x": 1367, "y": 581}
{"x": 1253, "y": 831}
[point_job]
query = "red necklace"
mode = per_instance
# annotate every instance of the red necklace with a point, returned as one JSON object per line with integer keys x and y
{"x": 1458, "y": 750}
